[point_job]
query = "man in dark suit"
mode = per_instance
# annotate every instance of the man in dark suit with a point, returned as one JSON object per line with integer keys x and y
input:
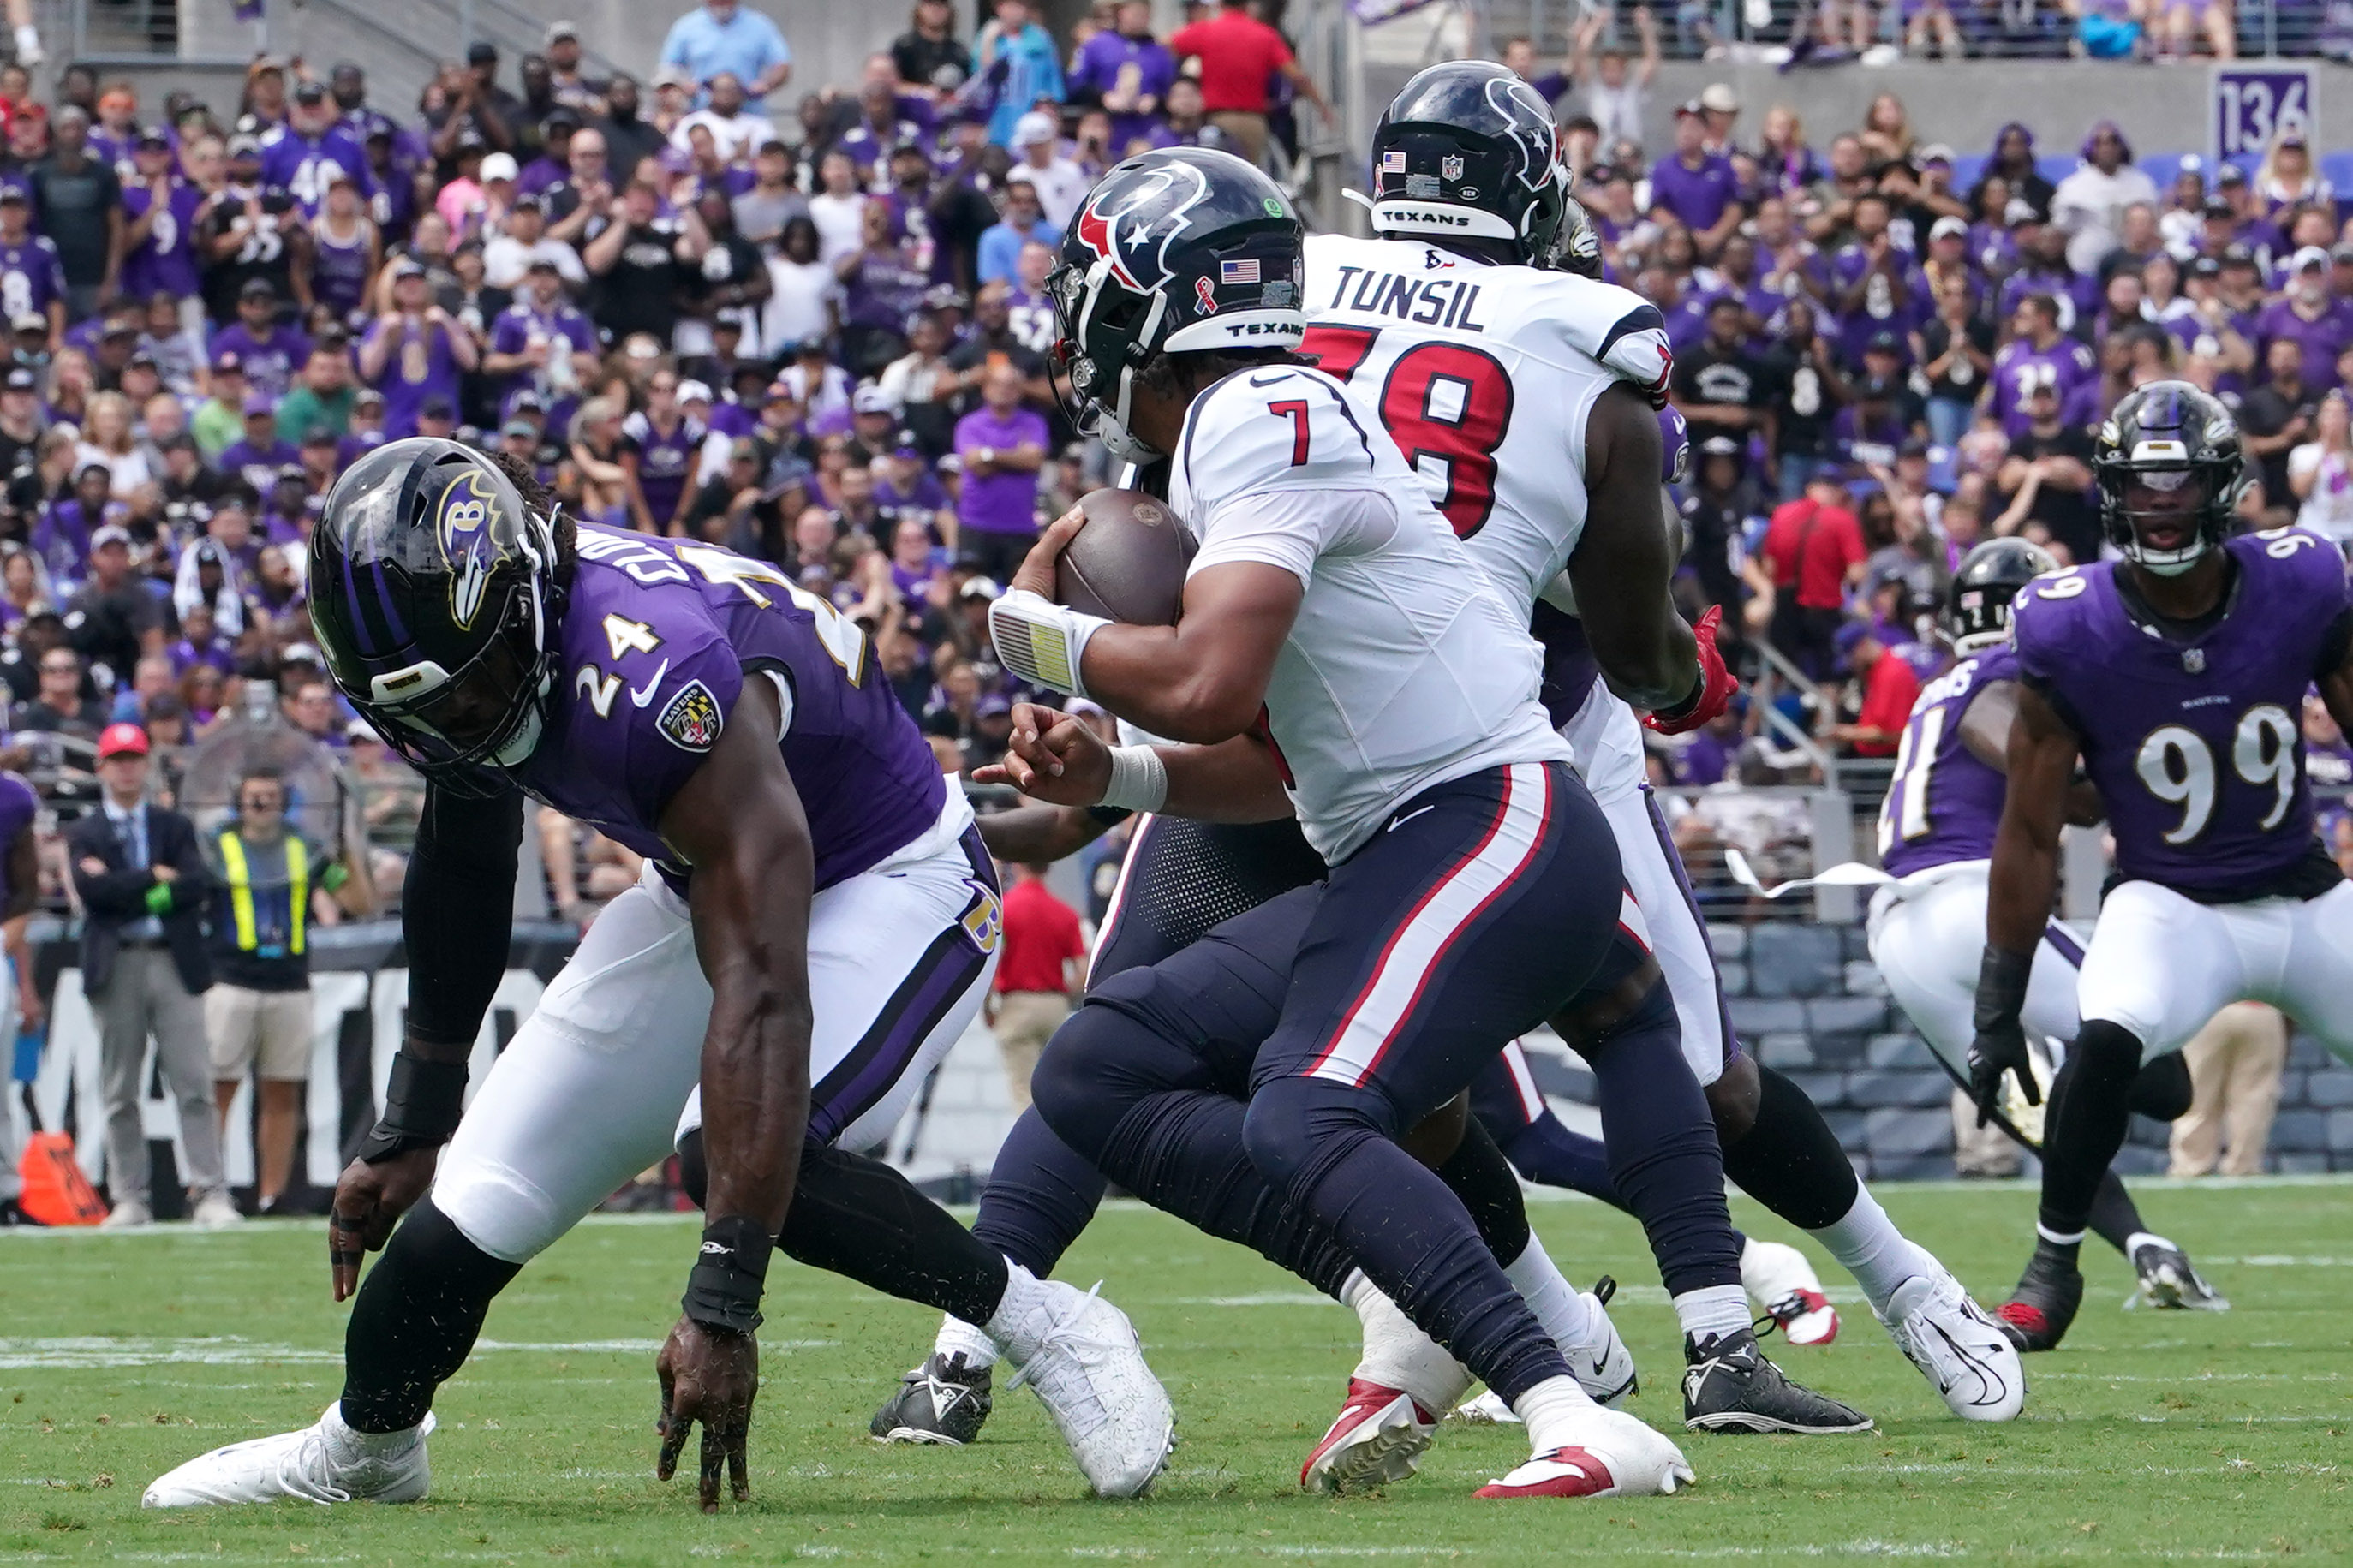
{"x": 144, "y": 890}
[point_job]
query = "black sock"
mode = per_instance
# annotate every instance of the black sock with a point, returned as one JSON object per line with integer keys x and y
{"x": 1660, "y": 1141}
{"x": 418, "y": 1313}
{"x": 857, "y": 1218}
{"x": 1480, "y": 1175}
{"x": 2084, "y": 1125}
{"x": 2115, "y": 1217}
{"x": 1040, "y": 1195}
{"x": 1790, "y": 1161}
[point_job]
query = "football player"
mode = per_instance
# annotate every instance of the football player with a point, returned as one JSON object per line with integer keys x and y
{"x": 2175, "y": 674}
{"x": 816, "y": 924}
{"x": 1338, "y": 658}
{"x": 1936, "y": 832}
{"x": 1512, "y": 389}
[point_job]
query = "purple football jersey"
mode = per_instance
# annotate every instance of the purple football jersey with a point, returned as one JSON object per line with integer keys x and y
{"x": 19, "y": 807}
{"x": 31, "y": 275}
{"x": 1944, "y": 804}
{"x": 165, "y": 261}
{"x": 2195, "y": 745}
{"x": 659, "y": 638}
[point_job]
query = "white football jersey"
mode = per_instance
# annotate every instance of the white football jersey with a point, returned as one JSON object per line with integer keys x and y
{"x": 1483, "y": 376}
{"x": 1406, "y": 667}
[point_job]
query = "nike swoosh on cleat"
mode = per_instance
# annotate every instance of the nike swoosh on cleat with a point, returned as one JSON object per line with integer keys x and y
{"x": 641, "y": 694}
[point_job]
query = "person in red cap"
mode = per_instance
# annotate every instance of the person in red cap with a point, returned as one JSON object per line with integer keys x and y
{"x": 142, "y": 882}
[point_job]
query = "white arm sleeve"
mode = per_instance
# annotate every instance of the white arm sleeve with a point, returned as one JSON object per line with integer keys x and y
{"x": 1292, "y": 528}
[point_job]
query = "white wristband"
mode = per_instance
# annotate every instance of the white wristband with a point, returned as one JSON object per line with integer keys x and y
{"x": 1041, "y": 642}
{"x": 1139, "y": 780}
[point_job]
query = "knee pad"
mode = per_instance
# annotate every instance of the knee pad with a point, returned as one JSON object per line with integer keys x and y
{"x": 1294, "y": 1125}
{"x": 1734, "y": 1098}
{"x": 2161, "y": 1088}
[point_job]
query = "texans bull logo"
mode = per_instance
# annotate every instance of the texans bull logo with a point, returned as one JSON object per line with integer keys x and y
{"x": 1133, "y": 227}
{"x": 1532, "y": 135}
{"x": 468, "y": 510}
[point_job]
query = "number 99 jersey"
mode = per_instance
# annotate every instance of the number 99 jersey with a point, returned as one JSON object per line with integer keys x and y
{"x": 2195, "y": 743}
{"x": 1483, "y": 376}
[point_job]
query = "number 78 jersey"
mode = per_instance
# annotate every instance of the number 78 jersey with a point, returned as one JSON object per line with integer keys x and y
{"x": 2196, "y": 744}
{"x": 1483, "y": 376}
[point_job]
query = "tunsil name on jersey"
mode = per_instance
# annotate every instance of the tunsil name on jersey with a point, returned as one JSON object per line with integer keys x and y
{"x": 1430, "y": 301}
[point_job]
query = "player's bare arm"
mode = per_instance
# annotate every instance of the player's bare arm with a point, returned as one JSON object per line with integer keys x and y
{"x": 738, "y": 822}
{"x": 1986, "y": 727}
{"x": 1040, "y": 833}
{"x": 1054, "y": 757}
{"x": 2023, "y": 881}
{"x": 1623, "y": 560}
{"x": 457, "y": 909}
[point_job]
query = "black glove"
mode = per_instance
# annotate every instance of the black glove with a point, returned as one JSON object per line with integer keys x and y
{"x": 2000, "y": 1043}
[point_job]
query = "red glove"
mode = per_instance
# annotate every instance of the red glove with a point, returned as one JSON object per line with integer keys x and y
{"x": 1715, "y": 683}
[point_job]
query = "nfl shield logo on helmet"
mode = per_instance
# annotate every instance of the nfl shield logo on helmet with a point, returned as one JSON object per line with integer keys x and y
{"x": 692, "y": 721}
{"x": 1450, "y": 166}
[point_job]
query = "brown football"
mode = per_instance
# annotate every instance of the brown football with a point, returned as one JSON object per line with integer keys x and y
{"x": 1128, "y": 562}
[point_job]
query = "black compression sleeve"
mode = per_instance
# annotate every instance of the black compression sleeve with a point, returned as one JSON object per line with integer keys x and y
{"x": 457, "y": 910}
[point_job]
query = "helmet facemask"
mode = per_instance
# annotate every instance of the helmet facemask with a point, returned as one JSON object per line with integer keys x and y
{"x": 2179, "y": 499}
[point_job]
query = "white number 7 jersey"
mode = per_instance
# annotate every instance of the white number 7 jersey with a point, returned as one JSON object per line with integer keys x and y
{"x": 1484, "y": 377}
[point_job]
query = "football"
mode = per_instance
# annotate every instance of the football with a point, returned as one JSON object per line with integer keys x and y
{"x": 1128, "y": 562}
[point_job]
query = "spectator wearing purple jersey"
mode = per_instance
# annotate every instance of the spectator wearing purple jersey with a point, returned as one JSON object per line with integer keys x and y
{"x": 554, "y": 160}
{"x": 1002, "y": 445}
{"x": 270, "y": 350}
{"x": 1696, "y": 186}
{"x": 1126, "y": 72}
{"x": 1869, "y": 432}
{"x": 2042, "y": 268}
{"x": 659, "y": 448}
{"x": 201, "y": 642}
{"x": 1877, "y": 281}
{"x": 882, "y": 287}
{"x": 2037, "y": 353}
{"x": 32, "y": 277}
{"x": 302, "y": 155}
{"x": 257, "y": 458}
{"x": 159, "y": 241}
{"x": 61, "y": 533}
{"x": 344, "y": 254}
{"x": 541, "y": 341}
{"x": 2308, "y": 314}
{"x": 413, "y": 352}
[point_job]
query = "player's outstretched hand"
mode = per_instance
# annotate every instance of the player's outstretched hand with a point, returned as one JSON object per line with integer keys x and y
{"x": 369, "y": 1200}
{"x": 711, "y": 1375}
{"x": 1039, "y": 568}
{"x": 1997, "y": 1049}
{"x": 1051, "y": 757}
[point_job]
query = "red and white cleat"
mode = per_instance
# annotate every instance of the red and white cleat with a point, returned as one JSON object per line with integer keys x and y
{"x": 1784, "y": 1287}
{"x": 1617, "y": 1456}
{"x": 1378, "y": 1436}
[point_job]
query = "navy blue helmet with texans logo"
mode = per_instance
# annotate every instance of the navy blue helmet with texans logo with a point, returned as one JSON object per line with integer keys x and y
{"x": 434, "y": 594}
{"x": 1180, "y": 250}
{"x": 1469, "y": 151}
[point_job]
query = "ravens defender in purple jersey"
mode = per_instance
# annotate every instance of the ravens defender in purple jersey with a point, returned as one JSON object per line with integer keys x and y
{"x": 817, "y": 923}
{"x": 1928, "y": 927}
{"x": 2175, "y": 674}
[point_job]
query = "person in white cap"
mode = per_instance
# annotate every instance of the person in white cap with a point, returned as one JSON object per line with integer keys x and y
{"x": 1060, "y": 183}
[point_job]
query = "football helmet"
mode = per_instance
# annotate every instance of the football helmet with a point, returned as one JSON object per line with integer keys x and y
{"x": 2167, "y": 461}
{"x": 435, "y": 597}
{"x": 1469, "y": 150}
{"x": 1977, "y": 607}
{"x": 1179, "y": 250}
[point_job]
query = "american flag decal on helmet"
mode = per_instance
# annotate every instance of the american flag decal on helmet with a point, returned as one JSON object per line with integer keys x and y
{"x": 1231, "y": 272}
{"x": 1393, "y": 163}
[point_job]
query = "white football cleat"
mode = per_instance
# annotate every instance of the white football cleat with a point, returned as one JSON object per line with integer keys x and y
{"x": 1603, "y": 1366}
{"x": 1956, "y": 1347}
{"x": 1612, "y": 1455}
{"x": 1082, "y": 1355}
{"x": 1785, "y": 1288}
{"x": 1485, "y": 1409}
{"x": 1378, "y": 1436}
{"x": 326, "y": 1463}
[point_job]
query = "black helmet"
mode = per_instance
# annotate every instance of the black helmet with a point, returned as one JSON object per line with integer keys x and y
{"x": 1976, "y": 609}
{"x": 2159, "y": 439}
{"x": 1181, "y": 250}
{"x": 433, "y": 591}
{"x": 1469, "y": 150}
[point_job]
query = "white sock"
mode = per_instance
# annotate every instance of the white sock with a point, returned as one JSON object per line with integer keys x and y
{"x": 1355, "y": 1290}
{"x": 1555, "y": 1302}
{"x": 1021, "y": 1318}
{"x": 958, "y": 1337}
{"x": 1867, "y": 1244}
{"x": 2141, "y": 1238}
{"x": 348, "y": 1445}
{"x": 1712, "y": 1311}
{"x": 1553, "y": 1409}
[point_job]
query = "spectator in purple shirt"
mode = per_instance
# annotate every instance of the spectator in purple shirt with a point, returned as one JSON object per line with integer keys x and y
{"x": 1127, "y": 72}
{"x": 270, "y": 350}
{"x": 541, "y": 343}
{"x": 61, "y": 533}
{"x": 201, "y": 643}
{"x": 2038, "y": 355}
{"x": 302, "y": 155}
{"x": 257, "y": 458}
{"x": 1696, "y": 186}
{"x": 413, "y": 352}
{"x": 555, "y": 160}
{"x": 2308, "y": 315}
{"x": 160, "y": 256}
{"x": 32, "y": 277}
{"x": 1002, "y": 446}
{"x": 1877, "y": 282}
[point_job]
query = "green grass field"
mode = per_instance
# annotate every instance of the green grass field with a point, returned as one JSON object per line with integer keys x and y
{"x": 2148, "y": 1436}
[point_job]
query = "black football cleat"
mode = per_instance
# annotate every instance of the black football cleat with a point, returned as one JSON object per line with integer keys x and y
{"x": 11, "y": 1212}
{"x": 2037, "y": 1315}
{"x": 2169, "y": 1282}
{"x": 942, "y": 1401}
{"x": 1729, "y": 1386}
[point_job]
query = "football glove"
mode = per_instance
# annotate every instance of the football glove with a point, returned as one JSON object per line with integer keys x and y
{"x": 2000, "y": 1043}
{"x": 1714, "y": 693}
